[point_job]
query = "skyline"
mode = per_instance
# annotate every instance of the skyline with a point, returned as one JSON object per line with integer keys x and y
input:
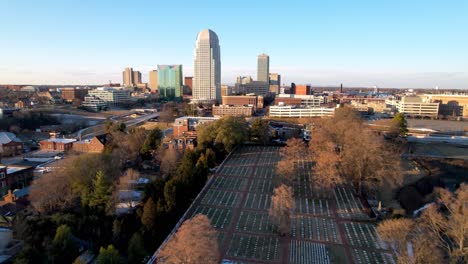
{"x": 402, "y": 45}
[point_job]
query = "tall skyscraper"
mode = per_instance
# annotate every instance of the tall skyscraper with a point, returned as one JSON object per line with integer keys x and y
{"x": 136, "y": 78}
{"x": 170, "y": 80}
{"x": 263, "y": 68}
{"x": 207, "y": 67}
{"x": 275, "y": 83}
{"x": 128, "y": 77}
{"x": 153, "y": 80}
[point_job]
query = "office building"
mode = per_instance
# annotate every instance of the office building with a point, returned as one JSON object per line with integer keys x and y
{"x": 301, "y": 89}
{"x": 207, "y": 67}
{"x": 128, "y": 77}
{"x": 254, "y": 100}
{"x": 136, "y": 78}
{"x": 226, "y": 90}
{"x": 255, "y": 87}
{"x": 170, "y": 81}
{"x": 450, "y": 104}
{"x": 414, "y": 106}
{"x": 263, "y": 68}
{"x": 153, "y": 81}
{"x": 70, "y": 94}
{"x": 233, "y": 110}
{"x": 93, "y": 103}
{"x": 112, "y": 96}
{"x": 275, "y": 83}
{"x": 188, "y": 82}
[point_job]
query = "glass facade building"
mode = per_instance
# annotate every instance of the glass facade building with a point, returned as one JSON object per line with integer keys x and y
{"x": 170, "y": 81}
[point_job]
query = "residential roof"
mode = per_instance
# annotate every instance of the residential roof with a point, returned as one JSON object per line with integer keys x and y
{"x": 15, "y": 169}
{"x": 7, "y": 137}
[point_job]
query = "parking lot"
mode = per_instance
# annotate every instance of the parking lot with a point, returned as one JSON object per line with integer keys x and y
{"x": 327, "y": 227}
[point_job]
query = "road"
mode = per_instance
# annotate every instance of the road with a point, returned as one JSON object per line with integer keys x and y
{"x": 92, "y": 131}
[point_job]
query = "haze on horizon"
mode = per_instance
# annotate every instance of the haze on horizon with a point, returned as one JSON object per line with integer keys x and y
{"x": 401, "y": 44}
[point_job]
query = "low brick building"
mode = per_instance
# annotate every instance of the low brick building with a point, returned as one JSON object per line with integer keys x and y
{"x": 57, "y": 144}
{"x": 10, "y": 145}
{"x": 255, "y": 100}
{"x": 95, "y": 145}
{"x": 233, "y": 110}
{"x": 187, "y": 126}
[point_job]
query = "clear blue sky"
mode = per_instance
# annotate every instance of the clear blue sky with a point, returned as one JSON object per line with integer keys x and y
{"x": 398, "y": 43}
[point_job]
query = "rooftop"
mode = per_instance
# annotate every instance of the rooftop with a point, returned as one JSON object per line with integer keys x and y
{"x": 61, "y": 140}
{"x": 7, "y": 137}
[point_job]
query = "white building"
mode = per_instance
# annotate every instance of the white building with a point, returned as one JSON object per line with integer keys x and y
{"x": 414, "y": 106}
{"x": 93, "y": 103}
{"x": 294, "y": 111}
{"x": 111, "y": 96}
{"x": 307, "y": 100}
{"x": 207, "y": 67}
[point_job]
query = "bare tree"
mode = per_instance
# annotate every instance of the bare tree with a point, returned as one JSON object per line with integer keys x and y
{"x": 410, "y": 242}
{"x": 294, "y": 149}
{"x": 286, "y": 168}
{"x": 194, "y": 242}
{"x": 52, "y": 192}
{"x": 169, "y": 159}
{"x": 357, "y": 155}
{"x": 450, "y": 228}
{"x": 282, "y": 206}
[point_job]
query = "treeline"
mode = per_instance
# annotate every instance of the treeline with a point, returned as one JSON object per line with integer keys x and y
{"x": 25, "y": 120}
{"x": 74, "y": 207}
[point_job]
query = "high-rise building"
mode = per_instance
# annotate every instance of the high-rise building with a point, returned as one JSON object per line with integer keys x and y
{"x": 153, "y": 81}
{"x": 207, "y": 67}
{"x": 188, "y": 82}
{"x": 136, "y": 78}
{"x": 170, "y": 80}
{"x": 128, "y": 77}
{"x": 263, "y": 68}
{"x": 275, "y": 83}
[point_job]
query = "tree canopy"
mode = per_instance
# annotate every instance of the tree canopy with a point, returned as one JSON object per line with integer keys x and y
{"x": 194, "y": 242}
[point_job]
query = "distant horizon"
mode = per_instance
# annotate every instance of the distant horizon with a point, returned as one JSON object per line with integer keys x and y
{"x": 232, "y": 84}
{"x": 401, "y": 44}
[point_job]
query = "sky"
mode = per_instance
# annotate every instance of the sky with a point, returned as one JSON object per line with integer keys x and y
{"x": 386, "y": 43}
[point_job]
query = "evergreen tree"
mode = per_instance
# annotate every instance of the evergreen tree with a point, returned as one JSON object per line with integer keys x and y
{"x": 400, "y": 121}
{"x": 64, "y": 248}
{"x": 148, "y": 219}
{"x": 100, "y": 197}
{"x": 109, "y": 256}
{"x": 136, "y": 249}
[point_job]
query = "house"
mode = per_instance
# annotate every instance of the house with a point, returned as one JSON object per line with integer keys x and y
{"x": 14, "y": 177}
{"x": 10, "y": 145}
{"x": 95, "y": 145}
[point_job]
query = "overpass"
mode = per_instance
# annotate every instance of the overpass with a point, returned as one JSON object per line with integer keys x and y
{"x": 97, "y": 130}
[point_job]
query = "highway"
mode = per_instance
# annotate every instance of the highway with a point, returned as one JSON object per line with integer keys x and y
{"x": 97, "y": 130}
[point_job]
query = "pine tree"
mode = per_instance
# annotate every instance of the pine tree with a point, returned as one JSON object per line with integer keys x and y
{"x": 148, "y": 219}
{"x": 109, "y": 256}
{"x": 101, "y": 194}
